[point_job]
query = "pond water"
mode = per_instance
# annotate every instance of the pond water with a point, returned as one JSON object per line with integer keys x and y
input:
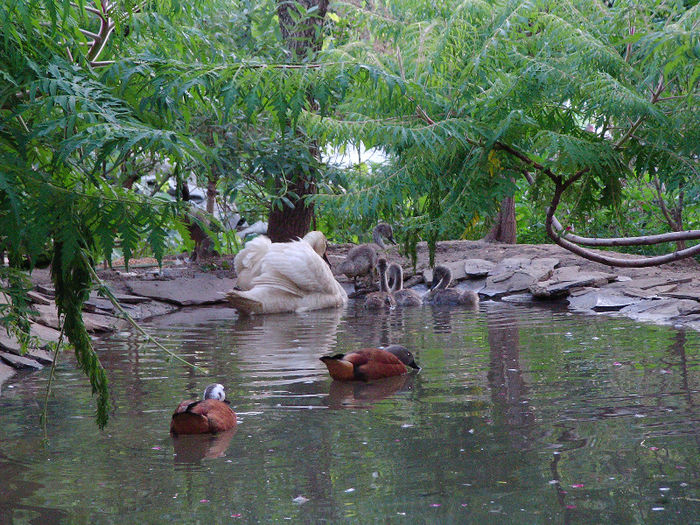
{"x": 520, "y": 414}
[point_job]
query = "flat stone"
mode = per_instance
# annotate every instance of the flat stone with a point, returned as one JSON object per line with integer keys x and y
{"x": 649, "y": 293}
{"x": 20, "y": 362}
{"x": 518, "y": 298}
{"x": 48, "y": 316}
{"x": 121, "y": 297}
{"x": 653, "y": 282}
{"x": 600, "y": 300}
{"x": 195, "y": 316}
{"x": 186, "y": 292}
{"x": 45, "y": 290}
{"x": 44, "y": 333}
{"x": 476, "y": 268}
{"x": 9, "y": 343}
{"x": 102, "y": 323}
{"x": 42, "y": 356}
{"x": 98, "y": 305}
{"x": 564, "y": 279}
{"x": 150, "y": 309}
{"x": 38, "y": 298}
{"x": 683, "y": 293}
{"x": 517, "y": 274}
{"x": 6, "y": 372}
{"x": 414, "y": 280}
{"x": 662, "y": 310}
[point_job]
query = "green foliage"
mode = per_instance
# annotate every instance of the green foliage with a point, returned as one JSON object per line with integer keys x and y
{"x": 572, "y": 86}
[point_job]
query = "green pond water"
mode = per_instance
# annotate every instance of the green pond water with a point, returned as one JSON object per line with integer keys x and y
{"x": 520, "y": 414}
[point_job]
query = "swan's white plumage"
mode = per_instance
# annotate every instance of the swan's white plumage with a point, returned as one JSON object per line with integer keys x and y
{"x": 248, "y": 261}
{"x": 285, "y": 277}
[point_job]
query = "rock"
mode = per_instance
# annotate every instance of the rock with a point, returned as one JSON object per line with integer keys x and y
{"x": 20, "y": 362}
{"x": 6, "y": 372}
{"x": 652, "y": 282}
{"x": 649, "y": 293}
{"x": 150, "y": 309}
{"x": 683, "y": 293}
{"x": 130, "y": 299}
{"x": 600, "y": 300}
{"x": 564, "y": 279}
{"x": 476, "y": 268}
{"x": 102, "y": 323}
{"x": 45, "y": 290}
{"x": 38, "y": 298}
{"x": 184, "y": 292}
{"x": 517, "y": 274}
{"x": 662, "y": 310}
{"x": 44, "y": 333}
{"x": 196, "y": 315}
{"x": 414, "y": 280}
{"x": 518, "y": 298}
{"x": 42, "y": 356}
{"x": 47, "y": 315}
{"x": 10, "y": 344}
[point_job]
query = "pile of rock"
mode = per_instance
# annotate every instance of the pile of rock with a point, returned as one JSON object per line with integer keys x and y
{"x": 667, "y": 299}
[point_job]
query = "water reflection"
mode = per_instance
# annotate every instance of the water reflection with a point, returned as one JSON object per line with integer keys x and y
{"x": 269, "y": 344}
{"x": 357, "y": 394}
{"x": 509, "y": 421}
{"x": 192, "y": 449}
{"x": 508, "y": 388}
{"x": 16, "y": 490}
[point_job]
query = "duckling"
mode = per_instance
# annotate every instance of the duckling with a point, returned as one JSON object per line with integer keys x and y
{"x": 362, "y": 260}
{"x": 209, "y": 416}
{"x": 382, "y": 298}
{"x": 403, "y": 297}
{"x": 370, "y": 363}
{"x": 439, "y": 292}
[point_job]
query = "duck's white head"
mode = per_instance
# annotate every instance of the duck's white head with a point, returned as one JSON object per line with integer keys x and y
{"x": 215, "y": 391}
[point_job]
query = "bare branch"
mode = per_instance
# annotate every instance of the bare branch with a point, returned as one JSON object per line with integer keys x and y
{"x": 565, "y": 241}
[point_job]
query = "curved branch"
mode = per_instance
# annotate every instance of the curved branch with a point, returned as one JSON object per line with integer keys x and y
{"x": 565, "y": 242}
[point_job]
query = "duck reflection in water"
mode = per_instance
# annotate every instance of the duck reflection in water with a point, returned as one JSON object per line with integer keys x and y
{"x": 355, "y": 394}
{"x": 193, "y": 448}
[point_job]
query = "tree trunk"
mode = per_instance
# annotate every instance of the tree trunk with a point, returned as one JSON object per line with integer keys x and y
{"x": 211, "y": 193}
{"x": 504, "y": 230}
{"x": 288, "y": 223}
{"x": 303, "y": 39}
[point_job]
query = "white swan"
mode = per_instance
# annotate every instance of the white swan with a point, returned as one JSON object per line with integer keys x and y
{"x": 285, "y": 277}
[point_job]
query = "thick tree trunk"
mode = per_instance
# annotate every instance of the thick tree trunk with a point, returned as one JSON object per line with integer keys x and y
{"x": 504, "y": 229}
{"x": 288, "y": 223}
{"x": 303, "y": 38}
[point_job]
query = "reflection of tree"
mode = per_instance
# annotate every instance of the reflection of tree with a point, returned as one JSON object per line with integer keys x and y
{"x": 676, "y": 351}
{"x": 508, "y": 388}
{"x": 380, "y": 328}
